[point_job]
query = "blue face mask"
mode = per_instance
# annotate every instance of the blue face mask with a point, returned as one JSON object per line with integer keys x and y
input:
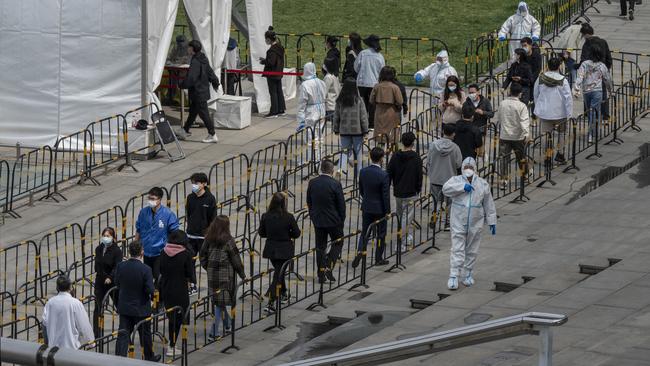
{"x": 195, "y": 188}
{"x": 106, "y": 240}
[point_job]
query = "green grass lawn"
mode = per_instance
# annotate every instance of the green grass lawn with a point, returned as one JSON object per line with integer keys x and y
{"x": 454, "y": 22}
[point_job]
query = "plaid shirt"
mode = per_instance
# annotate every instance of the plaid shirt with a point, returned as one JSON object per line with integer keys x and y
{"x": 352, "y": 121}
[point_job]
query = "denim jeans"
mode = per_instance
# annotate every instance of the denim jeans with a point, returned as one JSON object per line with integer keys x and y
{"x": 354, "y": 143}
{"x": 405, "y": 208}
{"x": 221, "y": 315}
{"x": 592, "y": 105}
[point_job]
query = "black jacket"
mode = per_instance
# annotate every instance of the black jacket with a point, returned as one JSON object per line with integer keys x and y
{"x": 274, "y": 60}
{"x": 374, "y": 187}
{"x": 199, "y": 78}
{"x": 279, "y": 229}
{"x": 326, "y": 202}
{"x": 535, "y": 62}
{"x": 175, "y": 273}
{"x": 405, "y": 171}
{"x": 135, "y": 281}
{"x": 587, "y": 50}
{"x": 105, "y": 264}
{"x": 468, "y": 138}
{"x": 524, "y": 71}
{"x": 402, "y": 89}
{"x": 199, "y": 212}
{"x": 333, "y": 60}
{"x": 348, "y": 67}
{"x": 481, "y": 120}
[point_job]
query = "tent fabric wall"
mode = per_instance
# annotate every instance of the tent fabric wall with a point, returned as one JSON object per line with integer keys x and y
{"x": 71, "y": 62}
{"x": 211, "y": 20}
{"x": 260, "y": 17}
{"x": 161, "y": 17}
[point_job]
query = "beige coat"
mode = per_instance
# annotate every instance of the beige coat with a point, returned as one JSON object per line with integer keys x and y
{"x": 451, "y": 111}
{"x": 387, "y": 99}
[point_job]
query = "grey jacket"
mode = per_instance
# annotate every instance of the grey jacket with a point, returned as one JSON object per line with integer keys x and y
{"x": 367, "y": 65}
{"x": 443, "y": 161}
{"x": 350, "y": 121}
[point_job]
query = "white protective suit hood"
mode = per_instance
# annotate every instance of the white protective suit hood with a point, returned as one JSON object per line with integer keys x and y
{"x": 522, "y": 9}
{"x": 309, "y": 71}
{"x": 469, "y": 161}
{"x": 445, "y": 58}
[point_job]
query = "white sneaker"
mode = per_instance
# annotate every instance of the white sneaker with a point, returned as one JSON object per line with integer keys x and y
{"x": 469, "y": 280}
{"x": 173, "y": 351}
{"x": 211, "y": 139}
{"x": 452, "y": 283}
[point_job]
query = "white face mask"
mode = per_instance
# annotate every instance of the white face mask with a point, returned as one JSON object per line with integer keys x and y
{"x": 452, "y": 88}
{"x": 196, "y": 188}
{"x": 473, "y": 97}
{"x": 153, "y": 203}
{"x": 468, "y": 173}
{"x": 106, "y": 240}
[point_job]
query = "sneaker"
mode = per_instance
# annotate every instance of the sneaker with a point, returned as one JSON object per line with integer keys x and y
{"x": 269, "y": 309}
{"x": 330, "y": 276}
{"x": 469, "y": 280}
{"x": 187, "y": 133}
{"x": 356, "y": 261}
{"x": 283, "y": 113}
{"x": 211, "y": 139}
{"x": 285, "y": 298}
{"x": 409, "y": 240}
{"x": 631, "y": 14}
{"x": 559, "y": 158}
{"x": 381, "y": 262}
{"x": 590, "y": 139}
{"x": 447, "y": 227}
{"x": 321, "y": 277}
{"x": 213, "y": 337}
{"x": 173, "y": 351}
{"x": 452, "y": 283}
{"x": 503, "y": 185}
{"x": 270, "y": 115}
{"x": 155, "y": 358}
{"x": 193, "y": 290}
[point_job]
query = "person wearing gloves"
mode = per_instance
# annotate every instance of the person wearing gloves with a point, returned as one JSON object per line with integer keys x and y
{"x": 312, "y": 98}
{"x": 519, "y": 25}
{"x": 437, "y": 73}
{"x": 554, "y": 104}
{"x": 332, "y": 86}
{"x": 472, "y": 207}
{"x": 367, "y": 65}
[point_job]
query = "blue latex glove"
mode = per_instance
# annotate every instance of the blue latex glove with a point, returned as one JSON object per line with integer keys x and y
{"x": 301, "y": 125}
{"x": 502, "y": 38}
{"x": 535, "y": 39}
{"x": 468, "y": 187}
{"x": 418, "y": 78}
{"x": 493, "y": 229}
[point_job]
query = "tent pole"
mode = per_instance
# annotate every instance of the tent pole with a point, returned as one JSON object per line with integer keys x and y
{"x": 144, "y": 51}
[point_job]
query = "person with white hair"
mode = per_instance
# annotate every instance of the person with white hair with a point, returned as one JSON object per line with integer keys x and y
{"x": 519, "y": 25}
{"x": 472, "y": 207}
{"x": 437, "y": 73}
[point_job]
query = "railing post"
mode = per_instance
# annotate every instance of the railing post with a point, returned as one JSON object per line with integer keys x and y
{"x": 545, "y": 346}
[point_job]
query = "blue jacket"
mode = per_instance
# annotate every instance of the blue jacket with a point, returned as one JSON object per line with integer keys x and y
{"x": 153, "y": 229}
{"x": 374, "y": 187}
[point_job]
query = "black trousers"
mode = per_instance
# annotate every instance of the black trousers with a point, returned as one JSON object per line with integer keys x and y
{"x": 154, "y": 264}
{"x": 624, "y": 6}
{"x": 323, "y": 259}
{"x": 175, "y": 323}
{"x": 100, "y": 293}
{"x": 277, "y": 95}
{"x": 195, "y": 245}
{"x": 127, "y": 323}
{"x": 278, "y": 278}
{"x": 200, "y": 108}
{"x": 230, "y": 82}
{"x": 370, "y": 108}
{"x": 367, "y": 219}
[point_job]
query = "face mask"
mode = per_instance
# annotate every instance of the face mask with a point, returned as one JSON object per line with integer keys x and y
{"x": 473, "y": 97}
{"x": 106, "y": 240}
{"x": 153, "y": 203}
{"x": 195, "y": 188}
{"x": 468, "y": 173}
{"x": 452, "y": 88}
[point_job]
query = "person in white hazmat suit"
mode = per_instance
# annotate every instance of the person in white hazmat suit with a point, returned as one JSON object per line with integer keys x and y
{"x": 472, "y": 207}
{"x": 312, "y": 99}
{"x": 518, "y": 26}
{"x": 437, "y": 73}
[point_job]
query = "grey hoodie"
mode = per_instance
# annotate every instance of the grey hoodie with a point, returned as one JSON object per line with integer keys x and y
{"x": 443, "y": 161}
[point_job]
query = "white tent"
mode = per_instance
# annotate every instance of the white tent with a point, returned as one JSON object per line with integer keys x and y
{"x": 66, "y": 63}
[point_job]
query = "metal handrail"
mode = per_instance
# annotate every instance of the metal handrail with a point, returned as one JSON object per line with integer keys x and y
{"x": 526, "y": 323}
{"x": 33, "y": 354}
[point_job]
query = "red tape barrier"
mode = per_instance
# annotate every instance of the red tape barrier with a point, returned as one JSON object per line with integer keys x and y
{"x": 273, "y": 73}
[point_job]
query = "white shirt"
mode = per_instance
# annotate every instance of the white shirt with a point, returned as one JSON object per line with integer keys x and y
{"x": 67, "y": 322}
